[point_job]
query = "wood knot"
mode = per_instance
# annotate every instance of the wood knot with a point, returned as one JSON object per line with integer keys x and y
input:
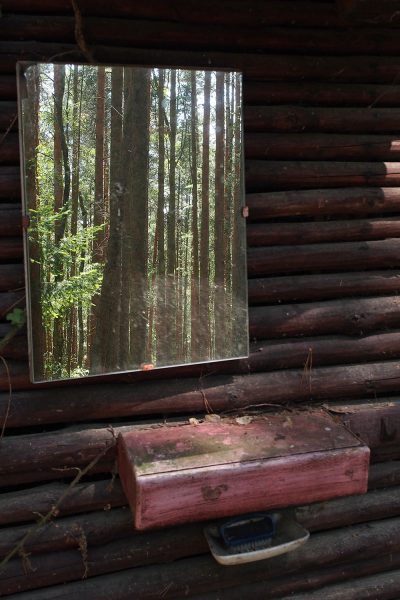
{"x": 213, "y": 493}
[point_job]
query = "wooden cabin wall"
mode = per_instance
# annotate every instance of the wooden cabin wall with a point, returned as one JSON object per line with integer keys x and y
{"x": 322, "y": 147}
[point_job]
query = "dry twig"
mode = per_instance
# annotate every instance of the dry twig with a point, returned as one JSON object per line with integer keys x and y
{"x": 19, "y": 547}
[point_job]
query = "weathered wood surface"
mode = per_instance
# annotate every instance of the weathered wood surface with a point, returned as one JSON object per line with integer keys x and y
{"x": 8, "y": 115}
{"x": 10, "y": 220}
{"x": 324, "y": 202}
{"x": 322, "y": 286}
{"x": 254, "y": 13}
{"x": 267, "y": 355}
{"x": 186, "y": 396}
{"x": 307, "y": 581}
{"x": 316, "y": 232}
{"x": 10, "y": 249}
{"x": 290, "y": 353}
{"x": 190, "y": 575}
{"x": 10, "y": 186}
{"x": 377, "y": 423}
{"x": 321, "y": 94}
{"x": 181, "y": 498}
{"x": 352, "y": 69}
{"x": 11, "y": 277}
{"x": 10, "y": 300}
{"x": 262, "y": 175}
{"x": 54, "y": 455}
{"x": 16, "y": 350}
{"x": 23, "y": 505}
{"x": 369, "y": 12}
{"x": 340, "y": 512}
{"x": 26, "y": 504}
{"x": 384, "y": 475}
{"x": 325, "y": 146}
{"x": 9, "y": 149}
{"x": 8, "y": 87}
{"x": 351, "y": 317}
{"x": 118, "y": 555}
{"x": 156, "y": 33}
{"x": 319, "y": 351}
{"x": 95, "y": 528}
{"x": 100, "y": 527}
{"x": 385, "y": 586}
{"x": 182, "y": 474}
{"x": 285, "y": 119}
{"x": 390, "y": 452}
{"x": 345, "y": 256}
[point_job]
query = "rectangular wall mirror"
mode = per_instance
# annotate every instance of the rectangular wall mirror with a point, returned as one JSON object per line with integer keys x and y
{"x": 135, "y": 242}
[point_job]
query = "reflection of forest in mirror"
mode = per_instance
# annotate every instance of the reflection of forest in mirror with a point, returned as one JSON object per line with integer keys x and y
{"x": 136, "y": 240}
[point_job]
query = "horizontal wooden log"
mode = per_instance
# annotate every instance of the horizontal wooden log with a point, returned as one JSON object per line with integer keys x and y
{"x": 273, "y": 354}
{"x": 285, "y": 119}
{"x": 306, "y": 582}
{"x": 324, "y": 286}
{"x": 8, "y": 115}
{"x": 17, "y": 371}
{"x": 10, "y": 186}
{"x": 254, "y": 13}
{"x": 268, "y": 355}
{"x": 9, "y": 148}
{"x": 10, "y": 300}
{"x": 189, "y": 575}
{"x": 11, "y": 277}
{"x": 8, "y": 88}
{"x": 73, "y": 450}
{"x": 314, "y": 258}
{"x": 320, "y": 94}
{"x": 222, "y": 393}
{"x": 367, "y": 11}
{"x": 155, "y": 33}
{"x": 385, "y": 586}
{"x": 10, "y": 220}
{"x": 15, "y": 351}
{"x": 384, "y": 475}
{"x": 276, "y": 67}
{"x": 263, "y": 175}
{"x": 324, "y": 202}
{"x": 349, "y": 317}
{"x": 340, "y": 512}
{"x": 319, "y": 351}
{"x": 377, "y": 424}
{"x": 10, "y": 249}
{"x": 94, "y": 528}
{"x": 26, "y": 504}
{"x": 322, "y": 146}
{"x": 99, "y": 527}
{"x": 385, "y": 453}
{"x": 316, "y": 232}
{"x": 130, "y": 551}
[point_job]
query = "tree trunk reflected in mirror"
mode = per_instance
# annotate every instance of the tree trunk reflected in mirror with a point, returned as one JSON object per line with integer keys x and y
{"x": 136, "y": 244}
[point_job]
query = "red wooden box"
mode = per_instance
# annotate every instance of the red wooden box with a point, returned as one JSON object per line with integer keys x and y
{"x": 177, "y": 474}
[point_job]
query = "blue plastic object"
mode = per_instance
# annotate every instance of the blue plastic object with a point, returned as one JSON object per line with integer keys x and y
{"x": 248, "y": 530}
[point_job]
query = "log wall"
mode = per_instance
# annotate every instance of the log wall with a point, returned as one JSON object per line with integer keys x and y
{"x": 322, "y": 146}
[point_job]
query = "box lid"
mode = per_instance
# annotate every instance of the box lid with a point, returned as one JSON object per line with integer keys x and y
{"x": 227, "y": 441}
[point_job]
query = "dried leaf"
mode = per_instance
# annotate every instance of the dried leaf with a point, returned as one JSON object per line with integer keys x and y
{"x": 212, "y": 418}
{"x": 245, "y": 420}
{"x": 288, "y": 422}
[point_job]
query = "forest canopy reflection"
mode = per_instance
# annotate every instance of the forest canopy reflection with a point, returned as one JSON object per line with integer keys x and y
{"x": 133, "y": 184}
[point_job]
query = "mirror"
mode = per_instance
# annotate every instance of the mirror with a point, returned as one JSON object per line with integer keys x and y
{"x": 135, "y": 249}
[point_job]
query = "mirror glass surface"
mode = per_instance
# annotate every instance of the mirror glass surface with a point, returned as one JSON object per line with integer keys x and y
{"x": 135, "y": 248}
